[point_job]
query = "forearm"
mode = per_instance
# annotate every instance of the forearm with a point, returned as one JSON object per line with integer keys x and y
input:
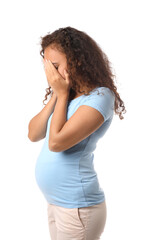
{"x": 58, "y": 119}
{"x": 37, "y": 125}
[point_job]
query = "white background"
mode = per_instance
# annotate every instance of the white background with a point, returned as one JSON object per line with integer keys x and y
{"x": 118, "y": 26}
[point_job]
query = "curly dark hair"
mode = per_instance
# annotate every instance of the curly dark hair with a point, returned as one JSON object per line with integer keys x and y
{"x": 87, "y": 64}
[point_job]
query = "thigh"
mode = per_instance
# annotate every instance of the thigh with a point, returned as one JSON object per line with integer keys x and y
{"x": 66, "y": 223}
{"x": 85, "y": 223}
{"x": 69, "y": 224}
{"x": 51, "y": 222}
{"x": 96, "y": 221}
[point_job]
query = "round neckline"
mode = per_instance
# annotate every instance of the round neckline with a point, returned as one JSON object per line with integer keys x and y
{"x": 77, "y": 97}
{"x": 83, "y": 94}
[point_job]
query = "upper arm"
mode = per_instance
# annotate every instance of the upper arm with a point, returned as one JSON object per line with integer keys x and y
{"x": 81, "y": 124}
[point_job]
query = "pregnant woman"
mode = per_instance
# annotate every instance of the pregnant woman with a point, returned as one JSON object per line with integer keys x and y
{"x": 83, "y": 100}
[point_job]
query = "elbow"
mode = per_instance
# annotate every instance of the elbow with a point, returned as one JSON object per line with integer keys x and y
{"x": 53, "y": 146}
{"x": 31, "y": 138}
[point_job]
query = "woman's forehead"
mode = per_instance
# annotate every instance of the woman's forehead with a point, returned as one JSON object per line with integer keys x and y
{"x": 54, "y": 54}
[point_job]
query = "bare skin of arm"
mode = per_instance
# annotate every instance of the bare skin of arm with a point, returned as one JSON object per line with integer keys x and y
{"x": 38, "y": 124}
{"x": 65, "y": 134}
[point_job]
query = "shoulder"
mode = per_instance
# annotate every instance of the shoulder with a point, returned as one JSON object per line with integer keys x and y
{"x": 102, "y": 99}
{"x": 102, "y": 91}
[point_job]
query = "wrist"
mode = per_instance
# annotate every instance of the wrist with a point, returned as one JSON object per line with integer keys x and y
{"x": 63, "y": 96}
{"x": 53, "y": 97}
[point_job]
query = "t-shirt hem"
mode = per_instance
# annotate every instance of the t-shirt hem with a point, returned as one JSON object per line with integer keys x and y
{"x": 78, "y": 205}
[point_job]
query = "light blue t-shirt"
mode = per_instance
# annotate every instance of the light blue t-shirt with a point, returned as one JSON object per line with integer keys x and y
{"x": 68, "y": 178}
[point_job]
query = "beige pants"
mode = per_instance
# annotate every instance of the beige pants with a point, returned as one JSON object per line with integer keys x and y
{"x": 85, "y": 223}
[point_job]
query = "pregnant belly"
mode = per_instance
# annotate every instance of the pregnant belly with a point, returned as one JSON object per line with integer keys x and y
{"x": 55, "y": 174}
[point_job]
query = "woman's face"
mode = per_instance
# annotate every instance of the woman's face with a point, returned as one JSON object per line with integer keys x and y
{"x": 57, "y": 58}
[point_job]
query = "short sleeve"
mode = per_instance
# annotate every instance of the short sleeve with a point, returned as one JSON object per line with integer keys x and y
{"x": 102, "y": 100}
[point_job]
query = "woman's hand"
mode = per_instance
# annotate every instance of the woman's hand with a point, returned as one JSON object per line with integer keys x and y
{"x": 58, "y": 84}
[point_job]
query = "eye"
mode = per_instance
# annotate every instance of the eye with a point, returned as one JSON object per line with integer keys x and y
{"x": 56, "y": 67}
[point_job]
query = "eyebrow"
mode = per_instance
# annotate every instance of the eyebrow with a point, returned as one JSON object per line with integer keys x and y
{"x": 55, "y": 63}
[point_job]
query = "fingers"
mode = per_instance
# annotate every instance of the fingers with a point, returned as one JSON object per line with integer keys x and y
{"x": 66, "y": 75}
